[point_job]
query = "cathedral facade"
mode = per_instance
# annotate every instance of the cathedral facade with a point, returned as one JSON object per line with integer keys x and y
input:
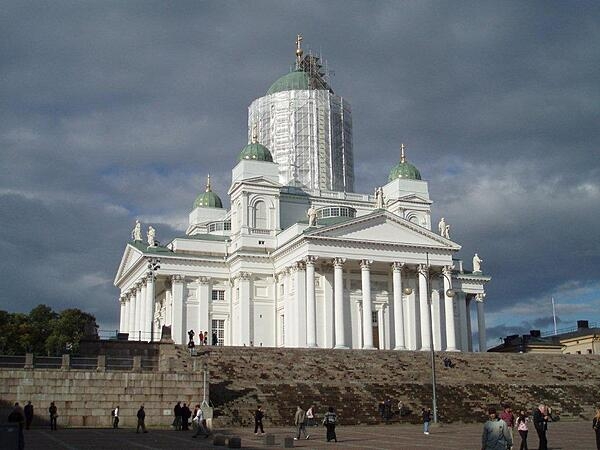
{"x": 299, "y": 260}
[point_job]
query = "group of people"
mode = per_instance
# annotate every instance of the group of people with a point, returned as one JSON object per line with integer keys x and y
{"x": 498, "y": 430}
{"x": 302, "y": 419}
{"x": 183, "y": 414}
{"x": 202, "y": 338}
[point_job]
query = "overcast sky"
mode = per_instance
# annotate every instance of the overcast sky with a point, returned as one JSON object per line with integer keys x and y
{"x": 112, "y": 111}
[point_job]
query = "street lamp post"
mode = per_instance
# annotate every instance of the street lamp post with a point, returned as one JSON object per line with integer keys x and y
{"x": 449, "y": 293}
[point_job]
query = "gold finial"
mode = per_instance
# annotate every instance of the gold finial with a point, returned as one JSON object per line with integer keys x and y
{"x": 402, "y": 157}
{"x": 254, "y": 133}
{"x": 208, "y": 184}
{"x": 299, "y": 51}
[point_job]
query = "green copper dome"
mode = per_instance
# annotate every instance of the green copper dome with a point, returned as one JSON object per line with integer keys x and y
{"x": 208, "y": 199}
{"x": 256, "y": 152}
{"x": 404, "y": 169}
{"x": 297, "y": 80}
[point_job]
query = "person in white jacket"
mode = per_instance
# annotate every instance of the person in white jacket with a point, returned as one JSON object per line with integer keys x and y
{"x": 200, "y": 424}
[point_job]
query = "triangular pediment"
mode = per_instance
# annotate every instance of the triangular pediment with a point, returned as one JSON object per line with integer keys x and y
{"x": 384, "y": 228}
{"x": 256, "y": 182}
{"x": 413, "y": 198}
{"x": 131, "y": 257}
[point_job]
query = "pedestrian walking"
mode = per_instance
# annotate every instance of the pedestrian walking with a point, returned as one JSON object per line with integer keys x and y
{"x": 200, "y": 423}
{"x": 540, "y": 422}
{"x": 495, "y": 434}
{"x": 310, "y": 416}
{"x": 17, "y": 416}
{"x": 28, "y": 410}
{"x": 426, "y": 415}
{"x": 53, "y": 411}
{"x": 300, "y": 422}
{"x": 508, "y": 417}
{"x": 329, "y": 421}
{"x": 115, "y": 417}
{"x": 258, "y": 418}
{"x": 523, "y": 428}
{"x": 141, "y": 417}
{"x": 596, "y": 427}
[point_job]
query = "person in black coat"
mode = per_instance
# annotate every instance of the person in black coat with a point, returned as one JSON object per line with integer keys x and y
{"x": 258, "y": 418}
{"x": 540, "y": 422}
{"x": 186, "y": 413}
{"x": 17, "y": 416}
{"x": 28, "y": 410}
{"x": 141, "y": 417}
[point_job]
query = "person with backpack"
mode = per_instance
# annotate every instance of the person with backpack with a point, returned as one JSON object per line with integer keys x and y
{"x": 115, "y": 417}
{"x": 258, "y": 418}
{"x": 330, "y": 421}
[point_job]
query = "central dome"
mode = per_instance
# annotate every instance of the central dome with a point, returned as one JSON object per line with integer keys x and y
{"x": 296, "y": 80}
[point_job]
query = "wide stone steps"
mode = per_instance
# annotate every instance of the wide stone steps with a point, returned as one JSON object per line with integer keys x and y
{"x": 357, "y": 380}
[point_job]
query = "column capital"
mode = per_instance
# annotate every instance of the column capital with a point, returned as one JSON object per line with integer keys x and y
{"x": 366, "y": 263}
{"x": 447, "y": 270}
{"x": 423, "y": 269}
{"x": 177, "y": 278}
{"x": 203, "y": 280}
{"x": 398, "y": 266}
{"x": 311, "y": 259}
{"x": 298, "y": 266}
{"x": 243, "y": 276}
{"x": 480, "y": 297}
{"x": 150, "y": 277}
{"x": 339, "y": 262}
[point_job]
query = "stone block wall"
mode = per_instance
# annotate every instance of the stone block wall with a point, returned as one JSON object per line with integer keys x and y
{"x": 86, "y": 398}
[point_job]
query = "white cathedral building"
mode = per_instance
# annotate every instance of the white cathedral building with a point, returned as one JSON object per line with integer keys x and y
{"x": 300, "y": 260}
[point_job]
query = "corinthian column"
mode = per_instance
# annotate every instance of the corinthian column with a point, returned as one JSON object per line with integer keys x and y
{"x": 398, "y": 311}
{"x": 365, "y": 269}
{"x": 424, "y": 308}
{"x": 311, "y": 316}
{"x": 177, "y": 326}
{"x": 481, "y": 322}
{"x": 449, "y": 310}
{"x": 338, "y": 292}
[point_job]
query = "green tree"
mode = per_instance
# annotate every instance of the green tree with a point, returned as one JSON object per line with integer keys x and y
{"x": 68, "y": 329}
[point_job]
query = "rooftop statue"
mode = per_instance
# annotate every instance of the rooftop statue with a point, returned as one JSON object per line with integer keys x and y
{"x": 151, "y": 236}
{"x": 312, "y": 216}
{"x": 442, "y": 227}
{"x": 477, "y": 263}
{"x": 379, "y": 199}
{"x": 136, "y": 233}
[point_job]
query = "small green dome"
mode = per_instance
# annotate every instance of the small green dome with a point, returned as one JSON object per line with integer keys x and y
{"x": 208, "y": 199}
{"x": 256, "y": 152}
{"x": 404, "y": 169}
{"x": 297, "y": 80}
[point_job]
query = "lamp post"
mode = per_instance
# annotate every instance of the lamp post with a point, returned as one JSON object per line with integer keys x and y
{"x": 449, "y": 293}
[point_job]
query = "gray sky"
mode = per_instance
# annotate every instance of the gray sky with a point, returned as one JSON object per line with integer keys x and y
{"x": 117, "y": 110}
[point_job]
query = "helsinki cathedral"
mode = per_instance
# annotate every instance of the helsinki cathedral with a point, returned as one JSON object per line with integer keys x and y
{"x": 300, "y": 259}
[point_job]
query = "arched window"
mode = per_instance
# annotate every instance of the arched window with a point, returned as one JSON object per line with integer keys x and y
{"x": 260, "y": 215}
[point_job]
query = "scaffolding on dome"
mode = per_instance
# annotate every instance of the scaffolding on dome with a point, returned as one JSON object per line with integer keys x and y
{"x": 309, "y": 131}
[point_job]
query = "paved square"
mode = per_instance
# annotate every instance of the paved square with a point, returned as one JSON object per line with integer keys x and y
{"x": 561, "y": 436}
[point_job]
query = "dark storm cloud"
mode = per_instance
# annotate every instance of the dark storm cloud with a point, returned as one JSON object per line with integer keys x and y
{"x": 117, "y": 110}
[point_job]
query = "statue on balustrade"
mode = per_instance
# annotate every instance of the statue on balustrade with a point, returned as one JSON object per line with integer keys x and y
{"x": 312, "y": 216}
{"x": 477, "y": 263}
{"x": 151, "y": 236}
{"x": 136, "y": 233}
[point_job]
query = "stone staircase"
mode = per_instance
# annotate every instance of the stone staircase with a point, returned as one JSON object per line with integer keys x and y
{"x": 355, "y": 381}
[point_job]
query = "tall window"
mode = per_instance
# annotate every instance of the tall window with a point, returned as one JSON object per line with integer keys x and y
{"x": 218, "y": 325}
{"x": 260, "y": 215}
